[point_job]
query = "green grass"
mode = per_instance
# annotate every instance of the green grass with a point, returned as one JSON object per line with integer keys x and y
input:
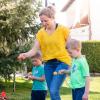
{"x": 23, "y": 90}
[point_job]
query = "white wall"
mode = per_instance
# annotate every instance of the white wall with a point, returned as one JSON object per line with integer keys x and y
{"x": 95, "y": 19}
{"x": 68, "y": 18}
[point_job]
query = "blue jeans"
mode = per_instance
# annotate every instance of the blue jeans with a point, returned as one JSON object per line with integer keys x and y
{"x": 54, "y": 82}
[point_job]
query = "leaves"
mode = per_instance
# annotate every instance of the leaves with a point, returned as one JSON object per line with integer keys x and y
{"x": 17, "y": 22}
{"x": 92, "y": 51}
{"x": 13, "y": 21}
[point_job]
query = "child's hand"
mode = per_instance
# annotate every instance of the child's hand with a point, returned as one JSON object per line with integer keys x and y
{"x": 26, "y": 76}
{"x": 63, "y": 71}
{"x": 85, "y": 96}
{"x": 55, "y": 73}
{"x": 30, "y": 73}
{"x": 30, "y": 77}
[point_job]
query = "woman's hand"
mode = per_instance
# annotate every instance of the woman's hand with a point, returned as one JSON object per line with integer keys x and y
{"x": 22, "y": 56}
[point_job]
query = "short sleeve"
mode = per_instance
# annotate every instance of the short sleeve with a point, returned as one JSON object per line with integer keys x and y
{"x": 85, "y": 67}
{"x": 42, "y": 71}
{"x": 66, "y": 32}
{"x": 38, "y": 36}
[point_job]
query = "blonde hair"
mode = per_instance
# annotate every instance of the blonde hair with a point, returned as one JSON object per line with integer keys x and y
{"x": 48, "y": 11}
{"x": 74, "y": 44}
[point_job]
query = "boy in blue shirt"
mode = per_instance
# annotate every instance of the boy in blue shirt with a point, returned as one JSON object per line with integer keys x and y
{"x": 39, "y": 87}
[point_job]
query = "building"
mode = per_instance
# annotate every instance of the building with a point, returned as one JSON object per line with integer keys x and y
{"x": 85, "y": 16}
{"x": 81, "y": 14}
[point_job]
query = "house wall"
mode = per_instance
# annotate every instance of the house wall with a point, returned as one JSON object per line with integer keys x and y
{"x": 73, "y": 15}
{"x": 95, "y": 19}
{"x": 75, "y": 12}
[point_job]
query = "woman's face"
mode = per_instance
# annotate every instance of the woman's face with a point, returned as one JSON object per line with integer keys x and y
{"x": 46, "y": 21}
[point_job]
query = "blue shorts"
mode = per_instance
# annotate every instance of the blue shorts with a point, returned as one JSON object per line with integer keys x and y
{"x": 38, "y": 94}
{"x": 78, "y": 93}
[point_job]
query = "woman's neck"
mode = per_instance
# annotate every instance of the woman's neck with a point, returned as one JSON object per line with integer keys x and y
{"x": 51, "y": 29}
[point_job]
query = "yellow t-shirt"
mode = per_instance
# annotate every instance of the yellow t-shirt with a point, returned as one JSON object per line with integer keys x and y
{"x": 53, "y": 45}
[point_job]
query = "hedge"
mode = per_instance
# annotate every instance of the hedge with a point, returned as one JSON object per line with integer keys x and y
{"x": 92, "y": 51}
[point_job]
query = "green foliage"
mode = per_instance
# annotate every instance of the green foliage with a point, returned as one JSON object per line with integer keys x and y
{"x": 14, "y": 18}
{"x": 92, "y": 51}
{"x": 17, "y": 22}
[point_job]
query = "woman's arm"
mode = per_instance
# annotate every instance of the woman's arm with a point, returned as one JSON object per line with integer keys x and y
{"x": 68, "y": 42}
{"x": 30, "y": 53}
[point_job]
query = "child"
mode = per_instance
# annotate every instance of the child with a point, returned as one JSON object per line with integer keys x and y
{"x": 80, "y": 77}
{"x": 39, "y": 88}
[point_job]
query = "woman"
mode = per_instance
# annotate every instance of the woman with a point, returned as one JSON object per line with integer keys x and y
{"x": 51, "y": 40}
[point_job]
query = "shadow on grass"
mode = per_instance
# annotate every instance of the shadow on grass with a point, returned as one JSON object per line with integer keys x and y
{"x": 91, "y": 92}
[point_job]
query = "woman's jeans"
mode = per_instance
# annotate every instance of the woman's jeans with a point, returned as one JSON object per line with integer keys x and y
{"x": 54, "y": 82}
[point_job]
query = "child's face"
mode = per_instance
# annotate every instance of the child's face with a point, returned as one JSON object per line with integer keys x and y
{"x": 74, "y": 52}
{"x": 36, "y": 61}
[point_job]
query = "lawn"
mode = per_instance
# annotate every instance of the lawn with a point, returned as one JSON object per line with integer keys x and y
{"x": 23, "y": 90}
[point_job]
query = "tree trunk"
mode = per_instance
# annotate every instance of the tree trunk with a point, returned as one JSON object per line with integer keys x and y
{"x": 14, "y": 82}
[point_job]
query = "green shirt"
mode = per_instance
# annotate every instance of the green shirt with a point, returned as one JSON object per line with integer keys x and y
{"x": 38, "y": 71}
{"x": 79, "y": 71}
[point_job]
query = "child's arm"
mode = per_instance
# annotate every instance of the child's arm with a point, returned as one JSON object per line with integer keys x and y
{"x": 42, "y": 78}
{"x": 87, "y": 84}
{"x": 63, "y": 71}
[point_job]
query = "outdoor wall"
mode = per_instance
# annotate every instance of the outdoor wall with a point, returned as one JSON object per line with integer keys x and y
{"x": 95, "y": 18}
{"x": 78, "y": 9}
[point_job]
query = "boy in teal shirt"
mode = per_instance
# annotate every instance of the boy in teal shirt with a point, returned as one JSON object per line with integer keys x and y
{"x": 79, "y": 73}
{"x": 80, "y": 77}
{"x": 39, "y": 87}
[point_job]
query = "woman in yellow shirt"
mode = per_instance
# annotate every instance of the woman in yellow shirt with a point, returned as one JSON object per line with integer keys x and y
{"x": 51, "y": 40}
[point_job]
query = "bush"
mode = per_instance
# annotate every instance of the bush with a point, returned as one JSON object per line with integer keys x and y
{"x": 92, "y": 51}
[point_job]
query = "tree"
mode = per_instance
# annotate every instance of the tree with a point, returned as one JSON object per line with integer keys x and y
{"x": 17, "y": 17}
